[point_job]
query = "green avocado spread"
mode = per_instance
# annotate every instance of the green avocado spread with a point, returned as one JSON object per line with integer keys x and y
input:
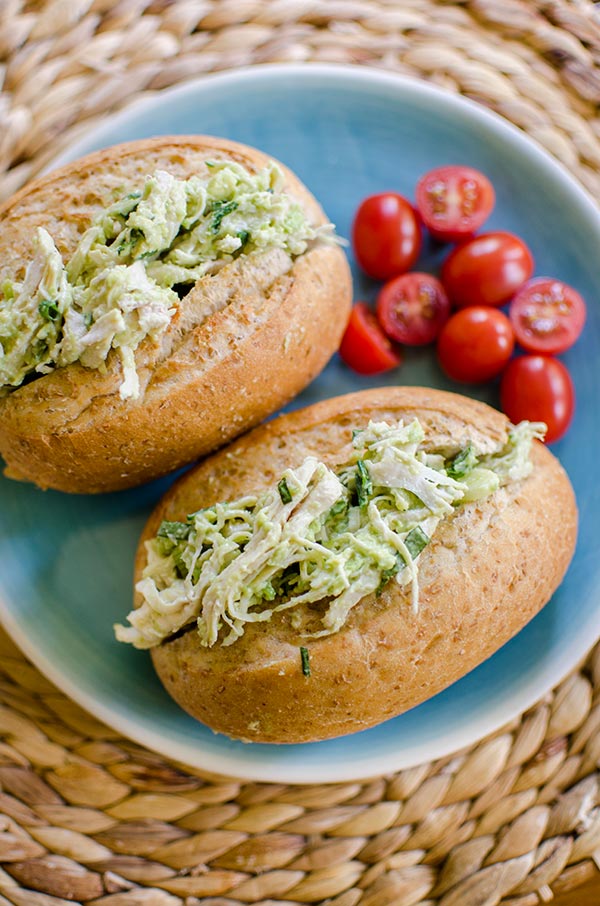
{"x": 316, "y": 535}
{"x": 124, "y": 280}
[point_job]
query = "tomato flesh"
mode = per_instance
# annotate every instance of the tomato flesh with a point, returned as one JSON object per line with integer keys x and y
{"x": 454, "y": 201}
{"x": 475, "y": 344}
{"x": 547, "y": 316}
{"x": 413, "y": 308}
{"x": 487, "y": 270}
{"x": 386, "y": 235}
{"x": 365, "y": 347}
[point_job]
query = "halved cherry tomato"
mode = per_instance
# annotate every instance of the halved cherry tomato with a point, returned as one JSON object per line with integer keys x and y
{"x": 487, "y": 270}
{"x": 413, "y": 308}
{"x": 386, "y": 235}
{"x": 365, "y": 347}
{"x": 538, "y": 388}
{"x": 547, "y": 316}
{"x": 454, "y": 201}
{"x": 475, "y": 344}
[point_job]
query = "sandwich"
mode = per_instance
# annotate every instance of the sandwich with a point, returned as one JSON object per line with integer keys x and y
{"x": 343, "y": 563}
{"x": 157, "y": 299}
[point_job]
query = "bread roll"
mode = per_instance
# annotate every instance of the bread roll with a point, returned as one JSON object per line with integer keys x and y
{"x": 489, "y": 568}
{"x": 242, "y": 343}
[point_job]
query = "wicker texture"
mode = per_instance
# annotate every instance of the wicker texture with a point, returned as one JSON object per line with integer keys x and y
{"x": 88, "y": 817}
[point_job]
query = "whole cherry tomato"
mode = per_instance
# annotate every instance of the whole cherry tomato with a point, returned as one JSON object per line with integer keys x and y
{"x": 547, "y": 316}
{"x": 413, "y": 308}
{"x": 365, "y": 347}
{"x": 487, "y": 270}
{"x": 386, "y": 235}
{"x": 538, "y": 388}
{"x": 475, "y": 344}
{"x": 454, "y": 201}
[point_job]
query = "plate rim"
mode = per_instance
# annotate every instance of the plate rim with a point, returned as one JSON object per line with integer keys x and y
{"x": 227, "y": 764}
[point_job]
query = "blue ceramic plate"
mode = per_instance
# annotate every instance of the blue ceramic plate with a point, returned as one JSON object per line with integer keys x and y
{"x": 66, "y": 562}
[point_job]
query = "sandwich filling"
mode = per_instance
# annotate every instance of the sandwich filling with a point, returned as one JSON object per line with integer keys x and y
{"x": 125, "y": 278}
{"x": 318, "y": 535}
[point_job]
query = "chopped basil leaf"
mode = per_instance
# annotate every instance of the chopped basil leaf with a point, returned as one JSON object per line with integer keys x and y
{"x": 415, "y": 541}
{"x": 220, "y": 210}
{"x": 304, "y": 655}
{"x": 127, "y": 245}
{"x": 49, "y": 310}
{"x": 462, "y": 463}
{"x": 284, "y": 491}
{"x": 179, "y": 531}
{"x": 364, "y": 485}
{"x": 243, "y": 236}
{"x": 387, "y": 574}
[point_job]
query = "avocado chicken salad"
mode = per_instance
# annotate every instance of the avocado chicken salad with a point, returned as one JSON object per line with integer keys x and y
{"x": 316, "y": 535}
{"x": 124, "y": 280}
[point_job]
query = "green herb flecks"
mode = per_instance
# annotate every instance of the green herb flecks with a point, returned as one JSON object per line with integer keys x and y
{"x": 49, "y": 310}
{"x": 388, "y": 574}
{"x": 463, "y": 463}
{"x": 126, "y": 247}
{"x": 364, "y": 485}
{"x": 220, "y": 210}
{"x": 243, "y": 236}
{"x": 305, "y": 658}
{"x": 284, "y": 491}
{"x": 416, "y": 540}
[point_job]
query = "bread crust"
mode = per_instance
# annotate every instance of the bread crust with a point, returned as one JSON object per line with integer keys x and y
{"x": 488, "y": 570}
{"x": 244, "y": 342}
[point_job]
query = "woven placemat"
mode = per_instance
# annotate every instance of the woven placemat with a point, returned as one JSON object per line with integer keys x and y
{"x": 89, "y": 817}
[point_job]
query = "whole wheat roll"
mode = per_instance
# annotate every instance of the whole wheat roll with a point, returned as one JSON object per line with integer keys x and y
{"x": 488, "y": 570}
{"x": 244, "y": 341}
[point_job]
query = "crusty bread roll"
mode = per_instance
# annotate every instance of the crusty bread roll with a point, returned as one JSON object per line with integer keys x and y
{"x": 488, "y": 570}
{"x": 244, "y": 341}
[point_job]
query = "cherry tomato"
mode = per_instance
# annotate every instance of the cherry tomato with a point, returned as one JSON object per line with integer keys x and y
{"x": 413, "y": 308}
{"x": 365, "y": 347}
{"x": 454, "y": 202}
{"x": 475, "y": 344}
{"x": 487, "y": 270}
{"x": 386, "y": 235}
{"x": 547, "y": 316}
{"x": 538, "y": 388}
